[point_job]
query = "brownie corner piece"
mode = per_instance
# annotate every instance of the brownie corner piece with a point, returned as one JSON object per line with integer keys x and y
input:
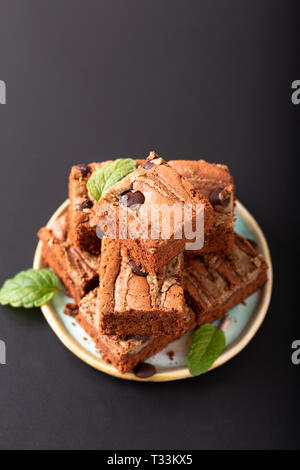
{"x": 132, "y": 301}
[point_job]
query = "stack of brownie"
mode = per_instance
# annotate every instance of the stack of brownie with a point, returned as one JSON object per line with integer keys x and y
{"x": 136, "y": 295}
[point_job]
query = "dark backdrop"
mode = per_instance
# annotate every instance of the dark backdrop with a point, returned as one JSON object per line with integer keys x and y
{"x": 93, "y": 80}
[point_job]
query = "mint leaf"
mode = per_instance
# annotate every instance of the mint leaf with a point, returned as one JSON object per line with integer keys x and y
{"x": 120, "y": 168}
{"x": 105, "y": 177}
{"x": 30, "y": 288}
{"x": 96, "y": 182}
{"x": 207, "y": 345}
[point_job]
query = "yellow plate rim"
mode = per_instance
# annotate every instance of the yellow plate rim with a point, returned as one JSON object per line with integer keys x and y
{"x": 175, "y": 373}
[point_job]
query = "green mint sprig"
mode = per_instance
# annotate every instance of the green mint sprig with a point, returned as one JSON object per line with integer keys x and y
{"x": 105, "y": 177}
{"x": 30, "y": 288}
{"x": 207, "y": 345}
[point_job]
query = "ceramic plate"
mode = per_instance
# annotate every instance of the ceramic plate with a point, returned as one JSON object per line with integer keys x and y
{"x": 246, "y": 319}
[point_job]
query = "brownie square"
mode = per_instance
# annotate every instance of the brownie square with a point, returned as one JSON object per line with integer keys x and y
{"x": 124, "y": 352}
{"x": 76, "y": 268}
{"x": 133, "y": 302}
{"x": 214, "y": 182}
{"x": 216, "y": 283}
{"x": 154, "y": 186}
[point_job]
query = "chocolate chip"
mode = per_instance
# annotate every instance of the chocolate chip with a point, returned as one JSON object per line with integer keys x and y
{"x": 131, "y": 198}
{"x": 171, "y": 355}
{"x": 137, "y": 268}
{"x": 87, "y": 204}
{"x": 141, "y": 338}
{"x": 148, "y": 165}
{"x": 84, "y": 169}
{"x": 216, "y": 199}
{"x": 143, "y": 370}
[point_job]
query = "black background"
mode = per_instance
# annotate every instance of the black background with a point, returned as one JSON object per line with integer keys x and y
{"x": 94, "y": 80}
